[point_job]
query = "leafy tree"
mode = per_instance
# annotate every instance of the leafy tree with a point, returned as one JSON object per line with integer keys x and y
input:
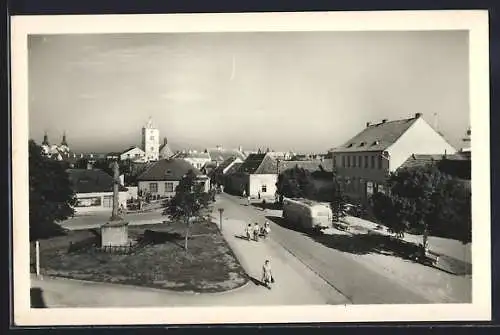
{"x": 188, "y": 203}
{"x": 295, "y": 183}
{"x": 452, "y": 215}
{"x": 51, "y": 197}
{"x": 339, "y": 201}
{"x": 418, "y": 197}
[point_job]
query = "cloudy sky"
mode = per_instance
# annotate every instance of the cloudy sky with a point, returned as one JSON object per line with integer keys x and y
{"x": 302, "y": 91}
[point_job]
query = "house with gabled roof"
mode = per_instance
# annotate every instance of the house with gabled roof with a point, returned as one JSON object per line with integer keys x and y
{"x": 133, "y": 153}
{"x": 364, "y": 162}
{"x": 162, "y": 177}
{"x": 93, "y": 189}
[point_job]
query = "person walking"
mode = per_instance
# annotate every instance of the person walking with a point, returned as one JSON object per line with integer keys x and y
{"x": 249, "y": 231}
{"x": 267, "y": 276}
{"x": 266, "y": 229}
{"x": 248, "y": 200}
{"x": 256, "y": 232}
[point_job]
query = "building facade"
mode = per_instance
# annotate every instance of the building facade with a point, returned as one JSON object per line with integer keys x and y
{"x": 363, "y": 163}
{"x": 163, "y": 176}
{"x": 151, "y": 142}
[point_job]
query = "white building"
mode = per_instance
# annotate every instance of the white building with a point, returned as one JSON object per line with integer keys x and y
{"x": 151, "y": 141}
{"x": 135, "y": 154}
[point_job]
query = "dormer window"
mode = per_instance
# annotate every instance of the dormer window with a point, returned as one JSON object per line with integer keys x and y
{"x": 376, "y": 143}
{"x": 362, "y": 144}
{"x": 349, "y": 145}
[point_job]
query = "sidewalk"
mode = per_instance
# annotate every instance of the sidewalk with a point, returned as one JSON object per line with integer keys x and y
{"x": 455, "y": 257}
{"x": 295, "y": 283}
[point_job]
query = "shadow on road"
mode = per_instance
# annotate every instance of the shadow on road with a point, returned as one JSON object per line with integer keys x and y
{"x": 255, "y": 281}
{"x": 285, "y": 224}
{"x": 267, "y": 205}
{"x": 242, "y": 237}
{"x": 36, "y": 295}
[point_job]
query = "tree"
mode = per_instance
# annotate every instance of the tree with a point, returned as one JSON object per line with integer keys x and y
{"x": 414, "y": 195}
{"x": 295, "y": 183}
{"x": 188, "y": 203}
{"x": 338, "y": 202}
{"x": 51, "y": 198}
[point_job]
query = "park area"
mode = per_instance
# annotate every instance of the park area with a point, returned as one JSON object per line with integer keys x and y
{"x": 158, "y": 259}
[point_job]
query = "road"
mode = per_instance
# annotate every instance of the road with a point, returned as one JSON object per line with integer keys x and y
{"x": 358, "y": 283}
{"x": 307, "y": 271}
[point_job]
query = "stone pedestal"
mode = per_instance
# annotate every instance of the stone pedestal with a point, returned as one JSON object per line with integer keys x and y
{"x": 114, "y": 234}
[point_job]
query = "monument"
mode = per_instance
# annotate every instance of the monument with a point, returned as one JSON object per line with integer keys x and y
{"x": 114, "y": 233}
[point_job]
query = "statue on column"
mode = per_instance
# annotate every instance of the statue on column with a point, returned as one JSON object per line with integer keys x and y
{"x": 116, "y": 184}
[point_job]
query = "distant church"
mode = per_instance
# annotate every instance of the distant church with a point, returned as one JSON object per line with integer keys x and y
{"x": 58, "y": 152}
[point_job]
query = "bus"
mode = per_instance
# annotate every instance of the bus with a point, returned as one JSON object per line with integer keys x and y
{"x": 307, "y": 214}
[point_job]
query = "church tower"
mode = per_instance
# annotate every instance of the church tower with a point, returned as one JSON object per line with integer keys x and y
{"x": 64, "y": 144}
{"x": 151, "y": 141}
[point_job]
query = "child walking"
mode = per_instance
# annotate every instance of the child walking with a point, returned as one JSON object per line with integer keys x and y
{"x": 267, "y": 276}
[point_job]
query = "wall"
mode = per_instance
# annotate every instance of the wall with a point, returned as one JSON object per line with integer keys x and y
{"x": 122, "y": 200}
{"x": 132, "y": 192}
{"x": 358, "y": 176}
{"x": 151, "y": 143}
{"x": 420, "y": 138}
{"x": 236, "y": 182}
{"x": 258, "y": 180}
{"x": 145, "y": 188}
{"x": 132, "y": 154}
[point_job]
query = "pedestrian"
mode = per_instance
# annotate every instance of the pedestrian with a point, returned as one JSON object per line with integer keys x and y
{"x": 256, "y": 232}
{"x": 248, "y": 200}
{"x": 244, "y": 193}
{"x": 267, "y": 276}
{"x": 249, "y": 231}
{"x": 258, "y": 194}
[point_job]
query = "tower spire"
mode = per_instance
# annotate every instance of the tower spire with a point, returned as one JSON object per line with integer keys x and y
{"x": 64, "y": 142}
{"x": 45, "y": 139}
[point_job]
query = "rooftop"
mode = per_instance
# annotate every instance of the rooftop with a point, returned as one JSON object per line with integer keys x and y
{"x": 90, "y": 181}
{"x": 168, "y": 169}
{"x": 377, "y": 137}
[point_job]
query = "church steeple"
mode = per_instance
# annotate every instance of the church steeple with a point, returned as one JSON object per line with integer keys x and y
{"x": 45, "y": 139}
{"x": 64, "y": 142}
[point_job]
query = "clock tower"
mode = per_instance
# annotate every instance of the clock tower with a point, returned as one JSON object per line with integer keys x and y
{"x": 151, "y": 141}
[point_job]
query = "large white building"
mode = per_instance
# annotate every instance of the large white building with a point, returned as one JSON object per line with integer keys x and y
{"x": 151, "y": 141}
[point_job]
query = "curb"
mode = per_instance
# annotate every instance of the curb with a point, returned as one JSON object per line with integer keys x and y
{"x": 136, "y": 287}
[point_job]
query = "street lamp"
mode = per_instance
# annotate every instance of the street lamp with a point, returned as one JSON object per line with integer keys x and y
{"x": 221, "y": 210}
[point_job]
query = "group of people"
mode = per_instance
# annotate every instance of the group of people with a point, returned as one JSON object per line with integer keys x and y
{"x": 254, "y": 231}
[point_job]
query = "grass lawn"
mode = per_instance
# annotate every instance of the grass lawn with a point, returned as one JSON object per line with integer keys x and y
{"x": 209, "y": 265}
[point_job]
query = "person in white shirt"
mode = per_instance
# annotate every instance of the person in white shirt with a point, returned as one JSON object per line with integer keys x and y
{"x": 267, "y": 276}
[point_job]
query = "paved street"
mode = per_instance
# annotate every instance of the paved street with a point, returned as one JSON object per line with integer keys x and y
{"x": 364, "y": 279}
{"x": 306, "y": 271}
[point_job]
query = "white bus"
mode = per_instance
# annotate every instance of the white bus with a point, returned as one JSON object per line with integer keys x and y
{"x": 307, "y": 214}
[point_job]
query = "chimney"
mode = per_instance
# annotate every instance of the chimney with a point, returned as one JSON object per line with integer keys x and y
{"x": 367, "y": 124}
{"x": 417, "y": 115}
{"x": 384, "y": 120}
{"x": 165, "y": 141}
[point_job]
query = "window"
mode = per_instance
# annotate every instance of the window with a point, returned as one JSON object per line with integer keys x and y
{"x": 153, "y": 187}
{"x": 369, "y": 188}
{"x": 334, "y": 161}
{"x": 152, "y": 148}
{"x": 380, "y": 189}
{"x": 354, "y": 161}
{"x": 151, "y": 138}
{"x": 380, "y": 162}
{"x": 373, "y": 162}
{"x": 348, "y": 161}
{"x": 169, "y": 187}
{"x": 107, "y": 201}
{"x": 360, "y": 161}
{"x": 366, "y": 162}
{"x": 88, "y": 202}
{"x": 264, "y": 188}
{"x": 343, "y": 161}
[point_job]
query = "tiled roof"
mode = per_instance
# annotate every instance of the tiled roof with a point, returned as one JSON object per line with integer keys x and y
{"x": 310, "y": 165}
{"x": 130, "y": 148}
{"x": 234, "y": 168}
{"x": 88, "y": 181}
{"x": 252, "y": 163}
{"x": 194, "y": 155}
{"x": 377, "y": 137}
{"x": 220, "y": 155}
{"x": 168, "y": 169}
{"x": 420, "y": 160}
{"x": 166, "y": 151}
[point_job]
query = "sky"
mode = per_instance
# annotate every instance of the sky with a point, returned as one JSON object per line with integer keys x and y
{"x": 300, "y": 91}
